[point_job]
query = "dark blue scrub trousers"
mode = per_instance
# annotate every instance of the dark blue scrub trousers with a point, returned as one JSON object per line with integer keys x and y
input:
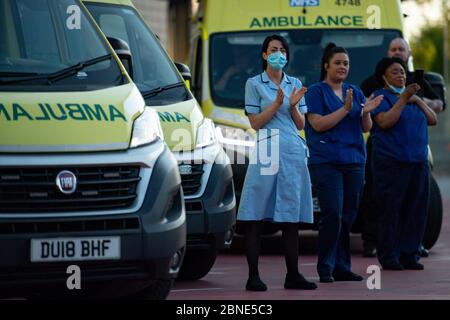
{"x": 401, "y": 192}
{"x": 339, "y": 189}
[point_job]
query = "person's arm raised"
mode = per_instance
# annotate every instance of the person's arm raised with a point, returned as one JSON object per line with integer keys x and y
{"x": 436, "y": 105}
{"x": 294, "y": 100}
{"x": 323, "y": 123}
{"x": 429, "y": 113}
{"x": 388, "y": 119}
{"x": 370, "y": 105}
{"x": 257, "y": 121}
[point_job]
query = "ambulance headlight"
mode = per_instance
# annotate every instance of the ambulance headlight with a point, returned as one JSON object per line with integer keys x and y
{"x": 146, "y": 128}
{"x": 206, "y": 134}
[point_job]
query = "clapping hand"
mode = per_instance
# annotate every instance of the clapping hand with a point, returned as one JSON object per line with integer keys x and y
{"x": 372, "y": 103}
{"x": 349, "y": 100}
{"x": 280, "y": 97}
{"x": 296, "y": 96}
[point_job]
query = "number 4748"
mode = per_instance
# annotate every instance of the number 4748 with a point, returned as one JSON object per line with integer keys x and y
{"x": 348, "y": 2}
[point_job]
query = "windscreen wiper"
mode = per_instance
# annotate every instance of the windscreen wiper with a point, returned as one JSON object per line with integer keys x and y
{"x": 61, "y": 74}
{"x": 13, "y": 74}
{"x": 155, "y": 91}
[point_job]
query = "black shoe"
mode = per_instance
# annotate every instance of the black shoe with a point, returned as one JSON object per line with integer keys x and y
{"x": 254, "y": 283}
{"x": 392, "y": 266}
{"x": 369, "y": 252}
{"x": 423, "y": 252}
{"x": 298, "y": 282}
{"x": 413, "y": 266}
{"x": 347, "y": 276}
{"x": 326, "y": 279}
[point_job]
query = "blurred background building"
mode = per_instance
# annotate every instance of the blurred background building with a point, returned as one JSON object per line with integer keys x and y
{"x": 170, "y": 20}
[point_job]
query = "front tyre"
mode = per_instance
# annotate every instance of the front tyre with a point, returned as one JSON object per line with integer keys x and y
{"x": 197, "y": 263}
{"x": 435, "y": 216}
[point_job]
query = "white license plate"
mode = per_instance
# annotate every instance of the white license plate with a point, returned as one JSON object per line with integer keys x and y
{"x": 75, "y": 249}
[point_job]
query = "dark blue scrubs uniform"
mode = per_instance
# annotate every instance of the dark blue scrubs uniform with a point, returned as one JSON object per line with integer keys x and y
{"x": 400, "y": 182}
{"x": 336, "y": 165}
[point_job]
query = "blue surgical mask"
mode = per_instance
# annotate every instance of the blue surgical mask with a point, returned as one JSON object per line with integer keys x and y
{"x": 277, "y": 60}
{"x": 397, "y": 90}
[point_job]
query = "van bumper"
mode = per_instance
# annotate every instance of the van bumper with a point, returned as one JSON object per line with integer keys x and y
{"x": 149, "y": 238}
{"x": 211, "y": 218}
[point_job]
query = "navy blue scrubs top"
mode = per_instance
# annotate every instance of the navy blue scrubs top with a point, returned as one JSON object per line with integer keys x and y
{"x": 343, "y": 144}
{"x": 407, "y": 140}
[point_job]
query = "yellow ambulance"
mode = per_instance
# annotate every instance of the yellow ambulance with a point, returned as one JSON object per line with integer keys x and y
{"x": 205, "y": 169}
{"x": 225, "y": 51}
{"x": 90, "y": 195}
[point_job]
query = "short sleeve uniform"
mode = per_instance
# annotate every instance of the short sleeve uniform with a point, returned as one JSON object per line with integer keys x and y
{"x": 407, "y": 140}
{"x": 277, "y": 185}
{"x": 344, "y": 143}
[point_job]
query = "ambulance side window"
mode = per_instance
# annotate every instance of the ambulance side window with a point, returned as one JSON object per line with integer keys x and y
{"x": 114, "y": 26}
{"x": 198, "y": 70}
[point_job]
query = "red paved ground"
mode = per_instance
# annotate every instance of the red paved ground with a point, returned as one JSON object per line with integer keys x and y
{"x": 226, "y": 280}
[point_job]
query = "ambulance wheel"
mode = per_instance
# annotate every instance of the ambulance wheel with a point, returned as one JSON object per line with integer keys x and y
{"x": 197, "y": 263}
{"x": 435, "y": 214}
{"x": 158, "y": 290}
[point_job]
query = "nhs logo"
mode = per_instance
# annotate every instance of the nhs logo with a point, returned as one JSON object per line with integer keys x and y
{"x": 304, "y": 3}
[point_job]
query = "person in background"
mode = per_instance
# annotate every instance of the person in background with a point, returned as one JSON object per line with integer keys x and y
{"x": 400, "y": 166}
{"x": 338, "y": 114}
{"x": 274, "y": 104}
{"x": 240, "y": 69}
{"x": 399, "y": 48}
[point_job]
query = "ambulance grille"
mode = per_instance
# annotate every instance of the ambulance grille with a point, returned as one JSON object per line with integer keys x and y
{"x": 86, "y": 225}
{"x": 191, "y": 181}
{"x": 34, "y": 190}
